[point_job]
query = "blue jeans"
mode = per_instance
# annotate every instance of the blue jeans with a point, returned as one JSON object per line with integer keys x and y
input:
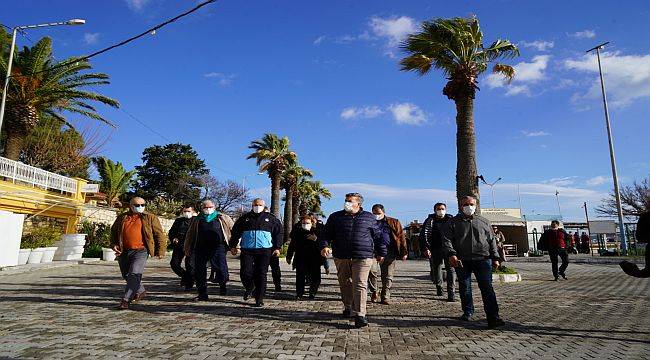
{"x": 482, "y": 270}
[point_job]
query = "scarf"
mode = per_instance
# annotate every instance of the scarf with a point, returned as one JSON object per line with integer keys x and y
{"x": 209, "y": 218}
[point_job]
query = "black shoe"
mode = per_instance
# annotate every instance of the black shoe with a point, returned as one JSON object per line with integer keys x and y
{"x": 298, "y": 297}
{"x": 222, "y": 289}
{"x": 466, "y": 317}
{"x": 201, "y": 298}
{"x": 312, "y": 296}
{"x": 346, "y": 312}
{"x": 247, "y": 294}
{"x": 360, "y": 321}
{"x": 451, "y": 298}
{"x": 492, "y": 324}
{"x": 278, "y": 288}
{"x": 563, "y": 276}
{"x": 557, "y": 278}
{"x": 439, "y": 290}
{"x": 259, "y": 303}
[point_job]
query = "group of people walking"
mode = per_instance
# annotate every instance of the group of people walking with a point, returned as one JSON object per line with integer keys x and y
{"x": 366, "y": 247}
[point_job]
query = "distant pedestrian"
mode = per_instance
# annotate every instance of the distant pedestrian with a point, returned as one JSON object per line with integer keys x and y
{"x": 307, "y": 260}
{"x": 177, "y": 237}
{"x": 433, "y": 246}
{"x": 261, "y": 239}
{"x": 471, "y": 246}
{"x": 396, "y": 249}
{"x": 575, "y": 243}
{"x": 355, "y": 238}
{"x": 135, "y": 236}
{"x": 554, "y": 240}
{"x": 207, "y": 240}
{"x": 501, "y": 242}
{"x": 585, "y": 243}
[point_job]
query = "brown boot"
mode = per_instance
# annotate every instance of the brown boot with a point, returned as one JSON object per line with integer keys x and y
{"x": 124, "y": 305}
{"x": 374, "y": 297}
{"x": 140, "y": 296}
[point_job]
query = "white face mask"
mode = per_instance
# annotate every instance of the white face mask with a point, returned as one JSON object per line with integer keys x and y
{"x": 258, "y": 209}
{"x": 348, "y": 206}
{"x": 138, "y": 209}
{"x": 441, "y": 212}
{"x": 469, "y": 210}
{"x": 208, "y": 211}
{"x": 187, "y": 214}
{"x": 379, "y": 217}
{"x": 306, "y": 227}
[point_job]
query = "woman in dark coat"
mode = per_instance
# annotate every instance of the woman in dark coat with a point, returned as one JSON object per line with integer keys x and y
{"x": 304, "y": 251}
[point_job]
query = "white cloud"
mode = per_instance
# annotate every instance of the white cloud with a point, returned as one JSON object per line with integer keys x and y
{"x": 585, "y": 34}
{"x": 222, "y": 79}
{"x": 525, "y": 73}
{"x": 561, "y": 181}
{"x": 597, "y": 180}
{"x": 91, "y": 38}
{"x": 540, "y": 45}
{"x": 365, "y": 112}
{"x": 407, "y": 113}
{"x": 136, "y": 5}
{"x": 534, "y": 133}
{"x": 627, "y": 77}
{"x": 319, "y": 40}
{"x": 393, "y": 28}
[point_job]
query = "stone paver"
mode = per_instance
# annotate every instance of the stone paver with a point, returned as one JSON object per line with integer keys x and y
{"x": 68, "y": 313}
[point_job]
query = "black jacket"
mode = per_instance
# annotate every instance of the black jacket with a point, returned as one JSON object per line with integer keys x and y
{"x": 304, "y": 247}
{"x": 354, "y": 236}
{"x": 179, "y": 230}
{"x": 431, "y": 233}
{"x": 470, "y": 238}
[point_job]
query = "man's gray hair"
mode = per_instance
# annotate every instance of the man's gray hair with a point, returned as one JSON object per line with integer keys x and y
{"x": 205, "y": 201}
{"x": 258, "y": 199}
{"x": 355, "y": 195}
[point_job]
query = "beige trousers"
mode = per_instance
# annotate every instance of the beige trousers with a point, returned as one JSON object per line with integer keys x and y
{"x": 353, "y": 281}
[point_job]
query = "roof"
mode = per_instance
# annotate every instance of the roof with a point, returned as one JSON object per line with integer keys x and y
{"x": 504, "y": 220}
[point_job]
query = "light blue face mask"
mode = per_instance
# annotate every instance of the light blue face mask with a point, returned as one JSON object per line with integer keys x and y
{"x": 138, "y": 209}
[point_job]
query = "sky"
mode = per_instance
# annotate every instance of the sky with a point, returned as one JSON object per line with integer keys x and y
{"x": 326, "y": 74}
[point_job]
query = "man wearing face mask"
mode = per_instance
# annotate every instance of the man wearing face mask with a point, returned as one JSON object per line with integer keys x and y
{"x": 206, "y": 240}
{"x": 307, "y": 259}
{"x": 471, "y": 246}
{"x": 355, "y": 238}
{"x": 432, "y": 245}
{"x": 136, "y": 235}
{"x": 396, "y": 249}
{"x": 177, "y": 236}
{"x": 261, "y": 238}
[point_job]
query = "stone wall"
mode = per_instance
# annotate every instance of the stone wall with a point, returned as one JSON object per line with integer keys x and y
{"x": 107, "y": 216}
{"x": 34, "y": 222}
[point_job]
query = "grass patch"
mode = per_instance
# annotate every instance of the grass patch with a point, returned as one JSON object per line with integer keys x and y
{"x": 504, "y": 270}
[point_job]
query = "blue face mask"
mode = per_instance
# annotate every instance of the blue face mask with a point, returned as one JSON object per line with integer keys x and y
{"x": 138, "y": 209}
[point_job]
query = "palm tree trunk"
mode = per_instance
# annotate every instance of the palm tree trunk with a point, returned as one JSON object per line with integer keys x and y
{"x": 13, "y": 143}
{"x": 466, "y": 173}
{"x": 288, "y": 208}
{"x": 275, "y": 193}
{"x": 296, "y": 208}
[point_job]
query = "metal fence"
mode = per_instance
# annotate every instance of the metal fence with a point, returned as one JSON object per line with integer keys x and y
{"x": 16, "y": 171}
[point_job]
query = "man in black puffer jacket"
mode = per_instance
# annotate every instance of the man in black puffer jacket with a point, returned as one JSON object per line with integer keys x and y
{"x": 355, "y": 238}
{"x": 432, "y": 244}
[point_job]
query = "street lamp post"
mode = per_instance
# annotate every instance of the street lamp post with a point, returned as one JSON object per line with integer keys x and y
{"x": 491, "y": 185}
{"x": 612, "y": 158}
{"x": 557, "y": 198}
{"x": 11, "y": 56}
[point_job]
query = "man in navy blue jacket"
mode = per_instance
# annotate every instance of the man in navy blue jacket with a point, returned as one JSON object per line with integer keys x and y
{"x": 355, "y": 237}
{"x": 261, "y": 239}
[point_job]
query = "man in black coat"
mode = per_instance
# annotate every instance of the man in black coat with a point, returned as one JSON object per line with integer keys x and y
{"x": 177, "y": 237}
{"x": 642, "y": 235}
{"x": 432, "y": 246}
{"x": 307, "y": 260}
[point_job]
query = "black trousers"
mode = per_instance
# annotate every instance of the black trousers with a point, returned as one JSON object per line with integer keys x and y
{"x": 310, "y": 270}
{"x": 254, "y": 268}
{"x": 275, "y": 271}
{"x": 185, "y": 274}
{"x": 203, "y": 255}
{"x": 553, "y": 254}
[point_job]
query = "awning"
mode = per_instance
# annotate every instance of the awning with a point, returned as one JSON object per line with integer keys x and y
{"x": 504, "y": 220}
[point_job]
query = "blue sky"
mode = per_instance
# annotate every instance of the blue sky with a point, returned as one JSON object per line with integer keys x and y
{"x": 326, "y": 75}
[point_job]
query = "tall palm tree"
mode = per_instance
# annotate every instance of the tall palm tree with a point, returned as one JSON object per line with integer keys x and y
{"x": 291, "y": 175}
{"x": 41, "y": 85}
{"x": 273, "y": 155}
{"x": 311, "y": 194}
{"x": 115, "y": 180}
{"x": 455, "y": 47}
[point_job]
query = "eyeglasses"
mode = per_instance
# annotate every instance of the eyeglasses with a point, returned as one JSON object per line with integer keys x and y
{"x": 138, "y": 205}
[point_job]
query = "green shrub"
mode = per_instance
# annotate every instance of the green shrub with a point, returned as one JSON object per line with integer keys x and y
{"x": 40, "y": 237}
{"x": 283, "y": 250}
{"x": 504, "y": 270}
{"x": 92, "y": 251}
{"x": 97, "y": 233}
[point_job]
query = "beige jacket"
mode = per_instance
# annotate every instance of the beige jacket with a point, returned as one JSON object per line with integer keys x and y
{"x": 225, "y": 221}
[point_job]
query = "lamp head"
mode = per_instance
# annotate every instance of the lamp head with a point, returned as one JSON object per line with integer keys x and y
{"x": 75, "y": 22}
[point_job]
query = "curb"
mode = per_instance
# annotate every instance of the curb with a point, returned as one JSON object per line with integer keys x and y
{"x": 20, "y": 269}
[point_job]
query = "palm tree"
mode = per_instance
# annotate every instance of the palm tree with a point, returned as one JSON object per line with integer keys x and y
{"x": 40, "y": 85}
{"x": 291, "y": 175}
{"x": 455, "y": 47}
{"x": 115, "y": 180}
{"x": 273, "y": 155}
{"x": 311, "y": 195}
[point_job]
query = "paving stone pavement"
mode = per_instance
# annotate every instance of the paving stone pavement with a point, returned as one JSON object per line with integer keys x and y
{"x": 68, "y": 313}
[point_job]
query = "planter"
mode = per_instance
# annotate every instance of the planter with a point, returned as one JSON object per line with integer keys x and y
{"x": 71, "y": 246}
{"x": 48, "y": 254}
{"x": 23, "y": 256}
{"x": 35, "y": 256}
{"x": 506, "y": 278}
{"x": 108, "y": 254}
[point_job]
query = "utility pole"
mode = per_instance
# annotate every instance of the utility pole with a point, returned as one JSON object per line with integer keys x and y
{"x": 617, "y": 193}
{"x": 557, "y": 198}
